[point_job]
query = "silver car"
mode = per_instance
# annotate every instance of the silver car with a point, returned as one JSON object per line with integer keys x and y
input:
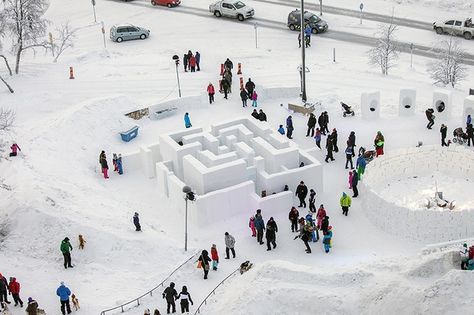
{"x": 119, "y": 33}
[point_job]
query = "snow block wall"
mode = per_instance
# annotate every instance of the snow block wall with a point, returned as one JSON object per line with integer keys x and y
{"x": 230, "y": 168}
{"x": 468, "y": 108}
{"x": 426, "y": 226}
{"x": 370, "y": 105}
{"x": 442, "y": 104}
{"x": 407, "y": 102}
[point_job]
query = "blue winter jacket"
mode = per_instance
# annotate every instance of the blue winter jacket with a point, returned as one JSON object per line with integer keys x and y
{"x": 187, "y": 121}
{"x": 281, "y": 130}
{"x": 307, "y": 31}
{"x": 63, "y": 292}
{"x": 289, "y": 123}
{"x": 259, "y": 224}
{"x": 198, "y": 57}
{"x": 361, "y": 162}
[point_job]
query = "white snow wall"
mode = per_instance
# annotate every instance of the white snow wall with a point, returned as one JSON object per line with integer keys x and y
{"x": 428, "y": 226}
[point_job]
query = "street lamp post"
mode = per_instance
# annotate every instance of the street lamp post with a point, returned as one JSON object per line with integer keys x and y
{"x": 189, "y": 196}
{"x": 176, "y": 60}
{"x": 303, "y": 63}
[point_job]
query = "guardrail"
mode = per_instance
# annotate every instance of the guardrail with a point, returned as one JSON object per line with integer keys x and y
{"x": 150, "y": 292}
{"x": 204, "y": 302}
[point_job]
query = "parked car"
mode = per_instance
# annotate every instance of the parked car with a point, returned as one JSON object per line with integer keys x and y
{"x": 317, "y": 25}
{"x": 119, "y": 33}
{"x": 233, "y": 9}
{"x": 455, "y": 27}
{"x": 168, "y": 3}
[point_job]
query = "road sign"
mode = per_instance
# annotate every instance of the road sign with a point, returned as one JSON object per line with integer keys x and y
{"x": 361, "y": 6}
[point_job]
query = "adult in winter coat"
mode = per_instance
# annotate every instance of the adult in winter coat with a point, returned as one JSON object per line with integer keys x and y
{"x": 170, "y": 294}
{"x": 355, "y": 181}
{"x": 228, "y": 64}
{"x": 184, "y": 299}
{"x": 136, "y": 222}
{"x": 66, "y": 248}
{"x": 360, "y": 165}
{"x": 244, "y": 97}
{"x": 351, "y": 141}
{"x": 198, "y": 60}
{"x": 345, "y": 202}
{"x": 311, "y": 124}
{"x": 349, "y": 154}
{"x": 329, "y": 149}
{"x": 430, "y": 116}
{"x": 334, "y": 140}
{"x": 259, "y": 226}
{"x": 15, "y": 148}
{"x": 270, "y": 233}
{"x": 281, "y": 130}
{"x": 326, "y": 121}
{"x": 190, "y": 54}
{"x": 187, "y": 121}
{"x": 293, "y": 217}
{"x": 225, "y": 87}
{"x": 327, "y": 240}
{"x": 211, "y": 91}
{"x": 14, "y": 287}
{"x": 185, "y": 62}
{"x": 214, "y": 257}
{"x": 228, "y": 77}
{"x": 468, "y": 120}
{"x": 252, "y": 226}
{"x": 229, "y": 245}
{"x": 302, "y": 192}
{"x": 320, "y": 215}
{"x": 261, "y": 115}
{"x": 3, "y": 290}
{"x": 204, "y": 259}
{"x": 289, "y": 127}
{"x": 325, "y": 225}
{"x": 306, "y": 234}
{"x": 250, "y": 86}
{"x": 192, "y": 63}
{"x": 443, "y": 130}
{"x": 307, "y": 36}
{"x": 255, "y": 114}
{"x": 470, "y": 135}
{"x": 103, "y": 164}
{"x": 317, "y": 138}
{"x": 32, "y": 308}
{"x": 379, "y": 143}
{"x": 63, "y": 292}
{"x": 312, "y": 199}
{"x": 254, "y": 98}
{"x": 321, "y": 120}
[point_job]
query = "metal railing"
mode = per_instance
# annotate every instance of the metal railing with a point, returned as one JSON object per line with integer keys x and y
{"x": 150, "y": 292}
{"x": 204, "y": 302}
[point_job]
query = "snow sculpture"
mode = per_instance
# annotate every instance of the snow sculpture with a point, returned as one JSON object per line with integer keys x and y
{"x": 468, "y": 107}
{"x": 370, "y": 105}
{"x": 407, "y": 102}
{"x": 442, "y": 100}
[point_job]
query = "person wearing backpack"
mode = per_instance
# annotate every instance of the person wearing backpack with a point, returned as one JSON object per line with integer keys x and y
{"x": 204, "y": 261}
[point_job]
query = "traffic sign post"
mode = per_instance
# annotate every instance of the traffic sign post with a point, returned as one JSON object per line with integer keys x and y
{"x": 361, "y": 8}
{"x": 255, "y": 25}
{"x": 93, "y": 8}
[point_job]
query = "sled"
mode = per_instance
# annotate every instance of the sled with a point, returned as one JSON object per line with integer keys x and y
{"x": 245, "y": 266}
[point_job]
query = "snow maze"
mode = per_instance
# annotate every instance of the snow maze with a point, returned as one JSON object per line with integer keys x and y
{"x": 398, "y": 185}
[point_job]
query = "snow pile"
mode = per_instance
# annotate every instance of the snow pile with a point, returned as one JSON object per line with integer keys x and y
{"x": 426, "y": 284}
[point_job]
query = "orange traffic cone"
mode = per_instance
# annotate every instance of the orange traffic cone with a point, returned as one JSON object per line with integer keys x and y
{"x": 241, "y": 83}
{"x": 222, "y": 68}
{"x": 239, "y": 68}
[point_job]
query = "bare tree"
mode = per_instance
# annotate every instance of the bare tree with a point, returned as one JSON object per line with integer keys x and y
{"x": 447, "y": 68}
{"x": 65, "y": 36}
{"x": 385, "y": 51}
{"x": 2, "y": 33}
{"x": 26, "y": 23}
{"x": 7, "y": 119}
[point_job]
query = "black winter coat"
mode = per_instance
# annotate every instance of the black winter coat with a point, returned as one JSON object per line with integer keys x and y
{"x": 325, "y": 224}
{"x": 243, "y": 95}
{"x": 262, "y": 116}
{"x": 443, "y": 131}
{"x": 3, "y": 285}
{"x": 312, "y": 121}
{"x": 271, "y": 230}
{"x": 250, "y": 86}
{"x": 302, "y": 191}
{"x": 352, "y": 139}
{"x": 170, "y": 294}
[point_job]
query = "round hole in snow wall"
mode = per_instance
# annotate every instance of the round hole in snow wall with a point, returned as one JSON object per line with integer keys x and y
{"x": 440, "y": 106}
{"x": 407, "y": 106}
{"x": 372, "y": 109}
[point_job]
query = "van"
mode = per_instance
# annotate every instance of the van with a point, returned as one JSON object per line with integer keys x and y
{"x": 317, "y": 25}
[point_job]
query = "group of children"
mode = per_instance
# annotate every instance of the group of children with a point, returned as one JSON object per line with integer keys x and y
{"x": 116, "y": 160}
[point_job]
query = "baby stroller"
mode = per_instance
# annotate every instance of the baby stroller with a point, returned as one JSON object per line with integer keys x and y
{"x": 368, "y": 155}
{"x": 459, "y": 136}
{"x": 347, "y": 110}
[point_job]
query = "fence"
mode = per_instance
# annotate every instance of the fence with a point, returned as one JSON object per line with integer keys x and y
{"x": 150, "y": 292}
{"x": 204, "y": 302}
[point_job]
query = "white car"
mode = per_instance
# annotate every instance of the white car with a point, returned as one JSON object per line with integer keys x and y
{"x": 455, "y": 27}
{"x": 233, "y": 9}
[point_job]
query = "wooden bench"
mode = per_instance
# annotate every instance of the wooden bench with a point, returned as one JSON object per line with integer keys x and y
{"x": 305, "y": 110}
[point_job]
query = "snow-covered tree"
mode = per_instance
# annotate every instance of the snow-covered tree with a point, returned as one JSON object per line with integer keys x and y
{"x": 65, "y": 36}
{"x": 2, "y": 34}
{"x": 7, "y": 118}
{"x": 385, "y": 51}
{"x": 447, "y": 68}
{"x": 25, "y": 22}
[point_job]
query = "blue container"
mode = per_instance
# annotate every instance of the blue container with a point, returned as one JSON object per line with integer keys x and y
{"x": 130, "y": 134}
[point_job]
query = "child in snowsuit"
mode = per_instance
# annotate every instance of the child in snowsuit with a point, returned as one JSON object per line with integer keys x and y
{"x": 211, "y": 91}
{"x": 320, "y": 215}
{"x": 114, "y": 162}
{"x": 15, "y": 148}
{"x": 350, "y": 179}
{"x": 214, "y": 256}
{"x": 252, "y": 226}
{"x": 103, "y": 164}
{"x": 82, "y": 241}
{"x": 187, "y": 121}
{"x": 254, "y": 98}
{"x": 327, "y": 240}
{"x": 119, "y": 164}
{"x": 317, "y": 138}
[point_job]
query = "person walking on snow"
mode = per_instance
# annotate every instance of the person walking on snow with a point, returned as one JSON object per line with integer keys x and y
{"x": 289, "y": 127}
{"x": 320, "y": 216}
{"x": 15, "y": 148}
{"x": 4, "y": 290}
{"x": 443, "y": 130}
{"x": 293, "y": 217}
{"x": 306, "y": 231}
{"x": 185, "y": 62}
{"x": 187, "y": 121}
{"x": 307, "y": 36}
{"x": 198, "y": 60}
{"x": 311, "y": 124}
{"x": 66, "y": 248}
{"x": 360, "y": 165}
{"x": 464, "y": 256}
{"x": 299, "y": 39}
{"x": 211, "y": 91}
{"x": 345, "y": 203}
{"x": 204, "y": 259}
{"x": 327, "y": 240}
{"x": 32, "y": 308}
{"x": 334, "y": 140}
{"x": 349, "y": 153}
{"x": 351, "y": 141}
{"x": 103, "y": 164}
{"x": 470, "y": 135}
{"x": 355, "y": 181}
{"x": 379, "y": 143}
{"x": 192, "y": 63}
{"x": 302, "y": 192}
{"x": 317, "y": 138}
{"x": 325, "y": 225}
{"x": 244, "y": 97}
{"x": 215, "y": 257}
{"x": 184, "y": 299}
{"x": 229, "y": 245}
{"x": 228, "y": 65}
{"x": 63, "y": 292}
{"x": 281, "y": 130}
{"x": 252, "y": 226}
{"x": 321, "y": 123}
{"x": 250, "y": 86}
{"x": 259, "y": 226}
{"x": 228, "y": 77}
{"x": 351, "y": 174}
{"x": 170, "y": 294}
{"x": 119, "y": 164}
{"x": 326, "y": 122}
{"x": 430, "y": 116}
{"x": 254, "y": 98}
{"x": 270, "y": 233}
{"x": 136, "y": 222}
{"x": 329, "y": 149}
{"x": 190, "y": 54}
{"x": 14, "y": 288}
{"x": 312, "y": 199}
{"x": 114, "y": 161}
{"x": 225, "y": 87}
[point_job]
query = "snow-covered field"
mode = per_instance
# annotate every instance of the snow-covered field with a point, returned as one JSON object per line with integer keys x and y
{"x": 62, "y": 125}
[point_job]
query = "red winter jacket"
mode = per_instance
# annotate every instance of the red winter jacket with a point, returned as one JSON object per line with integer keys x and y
{"x": 214, "y": 254}
{"x": 14, "y": 286}
{"x": 210, "y": 89}
{"x": 192, "y": 61}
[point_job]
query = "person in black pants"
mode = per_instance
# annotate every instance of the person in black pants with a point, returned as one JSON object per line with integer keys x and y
{"x": 326, "y": 122}
{"x": 430, "y": 116}
{"x": 3, "y": 290}
{"x": 184, "y": 298}
{"x": 312, "y": 199}
{"x": 170, "y": 295}
{"x": 329, "y": 148}
{"x": 311, "y": 124}
{"x": 293, "y": 217}
{"x": 470, "y": 135}
{"x": 229, "y": 245}
{"x": 259, "y": 226}
{"x": 302, "y": 192}
{"x": 289, "y": 127}
{"x": 205, "y": 259}
{"x": 355, "y": 180}
{"x": 349, "y": 155}
{"x": 443, "y": 130}
{"x": 270, "y": 233}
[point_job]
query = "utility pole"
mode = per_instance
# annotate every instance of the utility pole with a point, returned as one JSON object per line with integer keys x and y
{"x": 93, "y": 8}
{"x": 361, "y": 8}
{"x": 303, "y": 63}
{"x": 255, "y": 25}
{"x": 411, "y": 56}
{"x": 320, "y": 7}
{"x": 176, "y": 61}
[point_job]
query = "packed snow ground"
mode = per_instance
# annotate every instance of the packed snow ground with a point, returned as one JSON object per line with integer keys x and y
{"x": 63, "y": 124}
